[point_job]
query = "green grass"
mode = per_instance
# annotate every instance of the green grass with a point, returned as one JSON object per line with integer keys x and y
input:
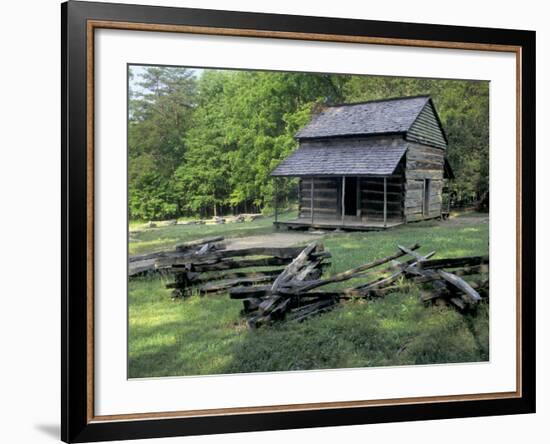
{"x": 207, "y": 335}
{"x": 145, "y": 240}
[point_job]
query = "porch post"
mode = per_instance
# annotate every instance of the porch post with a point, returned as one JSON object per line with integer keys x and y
{"x": 358, "y": 197}
{"x": 364, "y": 199}
{"x": 385, "y": 202}
{"x": 299, "y": 198}
{"x": 311, "y": 197}
{"x": 276, "y": 201}
{"x": 343, "y": 198}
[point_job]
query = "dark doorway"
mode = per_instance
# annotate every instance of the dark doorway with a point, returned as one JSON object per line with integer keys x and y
{"x": 427, "y": 194}
{"x": 350, "y": 196}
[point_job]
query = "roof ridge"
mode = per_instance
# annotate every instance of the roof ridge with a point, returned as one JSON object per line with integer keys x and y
{"x": 336, "y": 105}
{"x": 381, "y": 116}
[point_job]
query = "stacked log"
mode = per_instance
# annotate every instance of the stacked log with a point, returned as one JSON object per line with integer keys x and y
{"x": 286, "y": 283}
{"x": 290, "y": 296}
{"x": 148, "y": 263}
{"x": 449, "y": 286}
{"x": 208, "y": 269}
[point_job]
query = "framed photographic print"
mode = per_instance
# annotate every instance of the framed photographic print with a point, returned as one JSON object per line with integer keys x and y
{"x": 276, "y": 221}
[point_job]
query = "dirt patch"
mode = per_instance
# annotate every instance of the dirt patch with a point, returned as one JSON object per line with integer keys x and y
{"x": 462, "y": 221}
{"x": 270, "y": 240}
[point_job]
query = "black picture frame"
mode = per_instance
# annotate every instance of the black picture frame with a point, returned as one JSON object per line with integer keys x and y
{"x": 76, "y": 329}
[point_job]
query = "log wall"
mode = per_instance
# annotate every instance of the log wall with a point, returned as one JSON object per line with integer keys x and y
{"x": 372, "y": 198}
{"x": 426, "y": 129}
{"x": 326, "y": 197}
{"x": 423, "y": 162}
{"x": 404, "y": 196}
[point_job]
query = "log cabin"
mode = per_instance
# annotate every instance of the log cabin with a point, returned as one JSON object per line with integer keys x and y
{"x": 369, "y": 165}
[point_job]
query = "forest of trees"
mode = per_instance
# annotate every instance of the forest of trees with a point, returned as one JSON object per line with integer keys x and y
{"x": 203, "y": 142}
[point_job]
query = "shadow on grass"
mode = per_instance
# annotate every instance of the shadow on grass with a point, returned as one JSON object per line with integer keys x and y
{"x": 398, "y": 330}
{"x": 196, "y": 339}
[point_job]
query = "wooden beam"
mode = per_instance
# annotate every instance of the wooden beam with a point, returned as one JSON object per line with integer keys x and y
{"x": 352, "y": 273}
{"x": 295, "y": 266}
{"x": 454, "y": 262}
{"x": 385, "y": 202}
{"x": 381, "y": 202}
{"x": 343, "y": 198}
{"x": 470, "y": 295}
{"x": 299, "y": 196}
{"x": 358, "y": 197}
{"x": 220, "y": 255}
{"x": 321, "y": 199}
{"x": 196, "y": 243}
{"x": 311, "y": 197}
{"x": 324, "y": 210}
{"x": 364, "y": 201}
{"x": 424, "y": 191}
{"x": 276, "y": 202}
{"x": 230, "y": 264}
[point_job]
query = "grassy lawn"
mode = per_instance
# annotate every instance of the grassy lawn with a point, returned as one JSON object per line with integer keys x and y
{"x": 146, "y": 240}
{"x": 206, "y": 335}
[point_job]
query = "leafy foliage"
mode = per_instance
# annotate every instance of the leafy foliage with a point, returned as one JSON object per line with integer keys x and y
{"x": 203, "y": 142}
{"x": 161, "y": 104}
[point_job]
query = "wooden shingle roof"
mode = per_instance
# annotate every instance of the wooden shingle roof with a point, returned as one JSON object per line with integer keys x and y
{"x": 366, "y": 139}
{"x": 376, "y": 157}
{"x": 390, "y": 116}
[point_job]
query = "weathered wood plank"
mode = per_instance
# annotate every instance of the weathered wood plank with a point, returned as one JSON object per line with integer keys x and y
{"x": 269, "y": 303}
{"x": 381, "y": 203}
{"x": 306, "y": 311}
{"x": 319, "y": 199}
{"x": 469, "y": 294}
{"x": 218, "y": 286}
{"x": 251, "y": 304}
{"x": 413, "y": 184}
{"x": 149, "y": 256}
{"x": 248, "y": 292}
{"x": 349, "y": 274}
{"x": 454, "y": 262}
{"x": 400, "y": 269}
{"x": 294, "y": 267}
{"x": 195, "y": 243}
{"x": 320, "y": 210}
{"x": 411, "y": 252}
{"x": 411, "y": 217}
{"x": 213, "y": 256}
{"x": 141, "y": 267}
{"x": 424, "y": 174}
{"x": 419, "y": 151}
{"x": 391, "y": 212}
{"x": 201, "y": 278}
{"x": 229, "y": 264}
{"x": 311, "y": 203}
{"x": 425, "y": 164}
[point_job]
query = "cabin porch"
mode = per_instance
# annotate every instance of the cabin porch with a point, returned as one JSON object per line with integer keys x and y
{"x": 349, "y": 202}
{"x": 333, "y": 224}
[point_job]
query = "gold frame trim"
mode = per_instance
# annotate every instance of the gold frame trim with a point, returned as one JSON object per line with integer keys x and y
{"x": 92, "y": 25}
